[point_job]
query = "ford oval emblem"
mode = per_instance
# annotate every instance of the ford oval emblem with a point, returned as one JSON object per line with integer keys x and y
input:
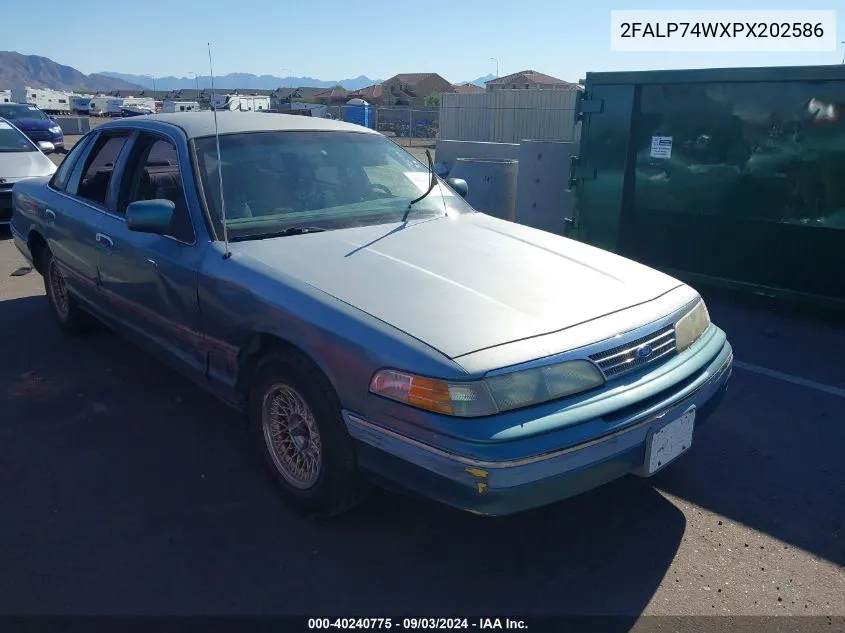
{"x": 643, "y": 352}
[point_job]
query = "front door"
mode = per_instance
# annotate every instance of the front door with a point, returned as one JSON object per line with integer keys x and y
{"x": 150, "y": 280}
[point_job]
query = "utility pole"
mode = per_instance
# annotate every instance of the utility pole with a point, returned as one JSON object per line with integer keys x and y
{"x": 497, "y": 66}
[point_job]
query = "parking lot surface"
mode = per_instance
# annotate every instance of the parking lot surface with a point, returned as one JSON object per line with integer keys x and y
{"x": 128, "y": 490}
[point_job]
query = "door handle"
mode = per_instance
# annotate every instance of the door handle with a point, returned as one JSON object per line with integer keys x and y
{"x": 102, "y": 238}
{"x": 50, "y": 215}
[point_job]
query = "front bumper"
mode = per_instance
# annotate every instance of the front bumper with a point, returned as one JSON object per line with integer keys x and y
{"x": 505, "y": 487}
{"x": 5, "y": 206}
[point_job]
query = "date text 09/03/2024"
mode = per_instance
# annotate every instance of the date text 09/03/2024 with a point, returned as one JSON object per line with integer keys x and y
{"x": 414, "y": 624}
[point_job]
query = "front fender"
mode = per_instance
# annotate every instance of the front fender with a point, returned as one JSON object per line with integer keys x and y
{"x": 246, "y": 306}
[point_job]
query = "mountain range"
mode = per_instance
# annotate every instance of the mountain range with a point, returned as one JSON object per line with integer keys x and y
{"x": 31, "y": 70}
{"x": 248, "y": 81}
{"x": 41, "y": 72}
{"x": 480, "y": 81}
{"x": 240, "y": 81}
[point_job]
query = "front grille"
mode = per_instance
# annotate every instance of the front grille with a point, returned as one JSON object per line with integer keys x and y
{"x": 40, "y": 135}
{"x": 622, "y": 359}
{"x": 5, "y": 205}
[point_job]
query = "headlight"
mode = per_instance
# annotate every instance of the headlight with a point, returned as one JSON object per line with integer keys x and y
{"x": 690, "y": 326}
{"x": 491, "y": 395}
{"x": 56, "y": 129}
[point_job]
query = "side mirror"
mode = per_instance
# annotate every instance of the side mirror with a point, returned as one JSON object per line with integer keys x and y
{"x": 46, "y": 146}
{"x": 150, "y": 216}
{"x": 459, "y": 185}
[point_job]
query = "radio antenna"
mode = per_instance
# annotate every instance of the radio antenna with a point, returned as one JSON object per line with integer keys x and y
{"x": 226, "y": 252}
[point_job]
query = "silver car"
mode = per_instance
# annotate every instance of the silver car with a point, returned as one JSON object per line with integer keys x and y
{"x": 19, "y": 158}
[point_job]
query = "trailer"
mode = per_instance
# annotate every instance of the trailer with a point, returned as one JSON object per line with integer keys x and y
{"x": 180, "y": 106}
{"x": 97, "y": 105}
{"x": 240, "y": 103}
{"x": 116, "y": 105}
{"x": 80, "y": 104}
{"x": 45, "y": 99}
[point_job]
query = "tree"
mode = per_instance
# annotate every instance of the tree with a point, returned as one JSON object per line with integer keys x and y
{"x": 433, "y": 100}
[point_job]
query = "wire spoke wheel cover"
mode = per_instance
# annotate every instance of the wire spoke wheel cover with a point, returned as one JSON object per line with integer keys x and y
{"x": 291, "y": 435}
{"x": 58, "y": 290}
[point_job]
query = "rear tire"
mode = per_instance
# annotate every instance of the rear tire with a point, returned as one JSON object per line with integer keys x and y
{"x": 296, "y": 422}
{"x": 70, "y": 317}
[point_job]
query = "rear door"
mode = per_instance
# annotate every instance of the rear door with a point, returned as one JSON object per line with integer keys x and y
{"x": 76, "y": 205}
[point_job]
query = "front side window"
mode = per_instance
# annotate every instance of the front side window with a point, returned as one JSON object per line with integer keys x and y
{"x": 152, "y": 173}
{"x": 273, "y": 181}
{"x": 12, "y": 141}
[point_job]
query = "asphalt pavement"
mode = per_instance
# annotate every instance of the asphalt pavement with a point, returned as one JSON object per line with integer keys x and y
{"x": 128, "y": 490}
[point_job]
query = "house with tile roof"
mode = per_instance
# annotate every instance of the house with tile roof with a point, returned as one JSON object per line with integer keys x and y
{"x": 467, "y": 89}
{"x": 529, "y": 80}
{"x": 412, "y": 88}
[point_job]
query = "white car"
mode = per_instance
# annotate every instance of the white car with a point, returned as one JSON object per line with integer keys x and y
{"x": 19, "y": 158}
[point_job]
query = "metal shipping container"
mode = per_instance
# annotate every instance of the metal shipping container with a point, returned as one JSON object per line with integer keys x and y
{"x": 734, "y": 176}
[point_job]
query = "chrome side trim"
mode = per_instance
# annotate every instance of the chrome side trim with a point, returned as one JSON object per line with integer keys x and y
{"x": 584, "y": 353}
{"x": 718, "y": 375}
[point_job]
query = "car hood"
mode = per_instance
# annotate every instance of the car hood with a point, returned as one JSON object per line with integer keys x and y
{"x": 32, "y": 125}
{"x": 462, "y": 284}
{"x": 17, "y": 165}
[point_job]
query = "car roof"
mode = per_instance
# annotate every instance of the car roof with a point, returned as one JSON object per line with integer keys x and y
{"x": 201, "y": 124}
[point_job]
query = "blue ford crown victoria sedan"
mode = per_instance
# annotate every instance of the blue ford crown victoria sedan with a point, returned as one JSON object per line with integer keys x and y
{"x": 372, "y": 325}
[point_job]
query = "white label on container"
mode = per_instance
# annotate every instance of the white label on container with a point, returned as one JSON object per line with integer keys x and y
{"x": 661, "y": 147}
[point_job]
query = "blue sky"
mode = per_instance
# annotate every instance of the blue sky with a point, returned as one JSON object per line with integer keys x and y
{"x": 337, "y": 39}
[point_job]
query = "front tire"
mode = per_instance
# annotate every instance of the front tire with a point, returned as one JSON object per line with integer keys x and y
{"x": 296, "y": 422}
{"x": 70, "y": 317}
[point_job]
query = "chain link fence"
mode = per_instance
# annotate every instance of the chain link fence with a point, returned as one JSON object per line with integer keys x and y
{"x": 406, "y": 126}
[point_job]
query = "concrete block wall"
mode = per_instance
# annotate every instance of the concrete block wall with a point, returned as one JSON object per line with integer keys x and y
{"x": 449, "y": 151}
{"x": 73, "y": 125}
{"x": 542, "y": 198}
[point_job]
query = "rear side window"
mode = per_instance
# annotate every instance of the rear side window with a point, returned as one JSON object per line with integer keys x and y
{"x": 97, "y": 171}
{"x": 64, "y": 171}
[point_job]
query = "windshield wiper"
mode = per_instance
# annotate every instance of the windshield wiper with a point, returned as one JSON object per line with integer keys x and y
{"x": 431, "y": 182}
{"x": 291, "y": 230}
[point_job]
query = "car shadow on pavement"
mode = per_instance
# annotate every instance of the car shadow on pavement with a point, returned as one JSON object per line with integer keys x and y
{"x": 134, "y": 492}
{"x": 771, "y": 459}
{"x": 771, "y": 456}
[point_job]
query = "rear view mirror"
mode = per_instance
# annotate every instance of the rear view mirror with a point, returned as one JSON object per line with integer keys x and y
{"x": 150, "y": 216}
{"x": 459, "y": 185}
{"x": 46, "y": 146}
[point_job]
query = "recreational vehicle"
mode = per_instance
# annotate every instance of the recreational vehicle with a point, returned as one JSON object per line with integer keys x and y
{"x": 80, "y": 104}
{"x": 180, "y": 106}
{"x": 116, "y": 105}
{"x": 97, "y": 105}
{"x": 242, "y": 103}
{"x": 45, "y": 99}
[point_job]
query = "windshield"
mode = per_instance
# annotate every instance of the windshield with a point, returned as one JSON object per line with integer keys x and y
{"x": 273, "y": 181}
{"x": 11, "y": 140}
{"x": 21, "y": 112}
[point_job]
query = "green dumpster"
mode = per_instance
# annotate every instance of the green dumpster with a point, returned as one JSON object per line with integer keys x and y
{"x": 733, "y": 176}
